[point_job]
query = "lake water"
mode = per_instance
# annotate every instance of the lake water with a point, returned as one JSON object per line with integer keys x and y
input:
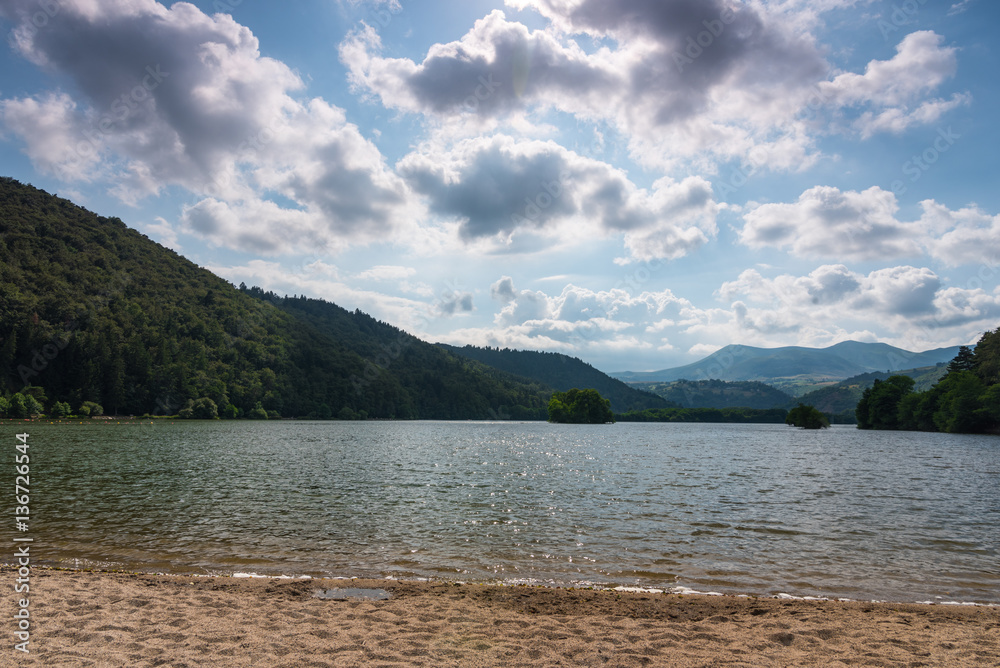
{"x": 760, "y": 509}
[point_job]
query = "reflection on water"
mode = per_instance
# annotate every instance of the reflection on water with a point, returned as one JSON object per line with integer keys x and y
{"x": 745, "y": 508}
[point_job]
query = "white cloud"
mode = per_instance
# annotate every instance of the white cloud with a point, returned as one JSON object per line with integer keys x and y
{"x": 498, "y": 188}
{"x": 384, "y": 272}
{"x": 828, "y": 222}
{"x": 910, "y": 306}
{"x": 503, "y": 290}
{"x": 959, "y": 7}
{"x": 685, "y": 81}
{"x": 893, "y": 89}
{"x": 970, "y": 236}
{"x": 920, "y": 64}
{"x": 176, "y": 97}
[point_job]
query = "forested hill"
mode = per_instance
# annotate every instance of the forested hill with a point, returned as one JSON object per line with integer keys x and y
{"x": 718, "y": 393}
{"x": 91, "y": 310}
{"x": 563, "y": 373}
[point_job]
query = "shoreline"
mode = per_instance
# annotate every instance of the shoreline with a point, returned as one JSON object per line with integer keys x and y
{"x": 103, "y": 618}
{"x": 675, "y": 590}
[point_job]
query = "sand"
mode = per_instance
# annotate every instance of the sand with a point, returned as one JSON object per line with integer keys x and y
{"x": 82, "y": 618}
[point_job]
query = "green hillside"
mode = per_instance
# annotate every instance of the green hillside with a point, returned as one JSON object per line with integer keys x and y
{"x": 91, "y": 310}
{"x": 718, "y": 394}
{"x": 563, "y": 373}
{"x": 842, "y": 397}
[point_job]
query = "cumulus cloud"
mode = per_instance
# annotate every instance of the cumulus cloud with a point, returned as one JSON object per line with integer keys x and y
{"x": 497, "y": 188}
{"x": 177, "y": 97}
{"x": 687, "y": 80}
{"x": 828, "y": 222}
{"x": 892, "y": 87}
{"x": 970, "y": 235}
{"x": 503, "y": 290}
{"x": 498, "y": 67}
{"x": 913, "y": 305}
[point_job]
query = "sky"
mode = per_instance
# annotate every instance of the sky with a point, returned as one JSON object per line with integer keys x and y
{"x": 635, "y": 183}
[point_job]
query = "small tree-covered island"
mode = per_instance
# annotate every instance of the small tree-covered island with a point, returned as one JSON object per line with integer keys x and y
{"x": 807, "y": 417}
{"x": 580, "y": 407}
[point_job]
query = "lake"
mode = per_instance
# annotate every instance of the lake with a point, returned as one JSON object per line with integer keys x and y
{"x": 758, "y": 509}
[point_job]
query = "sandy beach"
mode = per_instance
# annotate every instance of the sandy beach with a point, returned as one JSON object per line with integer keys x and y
{"x": 84, "y": 618}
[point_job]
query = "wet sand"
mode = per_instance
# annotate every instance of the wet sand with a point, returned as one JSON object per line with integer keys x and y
{"x": 83, "y": 618}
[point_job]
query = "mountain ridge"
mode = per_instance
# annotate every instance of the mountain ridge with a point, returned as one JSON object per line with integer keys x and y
{"x": 795, "y": 364}
{"x": 562, "y": 373}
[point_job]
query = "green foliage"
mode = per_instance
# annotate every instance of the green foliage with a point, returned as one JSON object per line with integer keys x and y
{"x": 966, "y": 400}
{"x": 22, "y": 406}
{"x": 98, "y": 313}
{"x": 987, "y": 358}
{"x": 346, "y": 413}
{"x": 718, "y": 394}
{"x": 90, "y": 409}
{"x": 964, "y": 360}
{"x": 577, "y": 406}
{"x": 4, "y": 406}
{"x": 202, "y": 409}
{"x": 959, "y": 408}
{"x": 258, "y": 412}
{"x": 807, "y": 417}
{"x": 711, "y": 415}
{"x": 879, "y": 404}
{"x": 61, "y": 409}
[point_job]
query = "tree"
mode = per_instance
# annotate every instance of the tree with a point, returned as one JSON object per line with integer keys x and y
{"x": 987, "y": 356}
{"x": 879, "y": 404}
{"x": 580, "y": 407}
{"x": 90, "y": 409}
{"x": 258, "y": 412}
{"x": 964, "y": 360}
{"x": 959, "y": 410}
{"x": 17, "y": 407}
{"x": 807, "y": 417}
{"x": 60, "y": 409}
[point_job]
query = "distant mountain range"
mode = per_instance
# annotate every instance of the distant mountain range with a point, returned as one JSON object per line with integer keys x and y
{"x": 562, "y": 373}
{"x": 718, "y": 394}
{"x": 796, "y": 369}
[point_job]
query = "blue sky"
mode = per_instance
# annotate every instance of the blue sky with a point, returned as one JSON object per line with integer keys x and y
{"x": 634, "y": 183}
